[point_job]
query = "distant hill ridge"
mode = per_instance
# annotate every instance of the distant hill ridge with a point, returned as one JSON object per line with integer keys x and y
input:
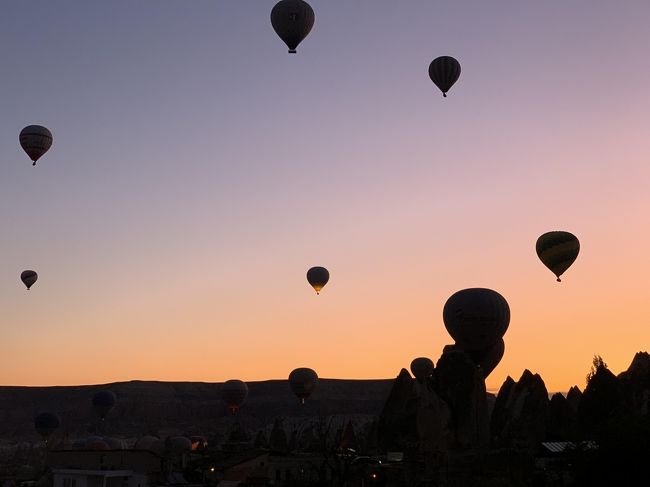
{"x": 179, "y": 407}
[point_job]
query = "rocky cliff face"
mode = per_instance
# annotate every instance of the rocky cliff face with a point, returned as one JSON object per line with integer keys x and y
{"x": 447, "y": 412}
{"x": 461, "y": 386}
{"x": 563, "y": 419}
{"x": 636, "y": 384}
{"x": 520, "y": 416}
{"x": 397, "y": 427}
{"x": 573, "y": 397}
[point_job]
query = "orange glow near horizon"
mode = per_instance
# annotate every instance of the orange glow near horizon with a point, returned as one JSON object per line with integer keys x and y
{"x": 186, "y": 195}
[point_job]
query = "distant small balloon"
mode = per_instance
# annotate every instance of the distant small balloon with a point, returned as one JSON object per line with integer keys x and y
{"x": 46, "y": 423}
{"x": 422, "y": 367}
{"x": 234, "y": 393}
{"x": 103, "y": 401}
{"x": 28, "y": 278}
{"x": 557, "y": 251}
{"x": 318, "y": 277}
{"x": 303, "y": 381}
{"x": 444, "y": 71}
{"x": 292, "y": 20}
{"x": 35, "y": 140}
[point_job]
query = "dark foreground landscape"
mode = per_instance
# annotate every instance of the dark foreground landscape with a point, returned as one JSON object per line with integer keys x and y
{"x": 442, "y": 429}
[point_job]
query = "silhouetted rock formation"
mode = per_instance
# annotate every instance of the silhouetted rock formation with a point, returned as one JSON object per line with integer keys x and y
{"x": 500, "y": 413}
{"x": 445, "y": 413}
{"x": 397, "y": 426}
{"x": 602, "y": 401}
{"x": 520, "y": 415}
{"x": 348, "y": 438}
{"x": 563, "y": 419}
{"x": 278, "y": 443}
{"x": 573, "y": 397}
{"x": 636, "y": 384}
{"x": 260, "y": 440}
{"x": 461, "y": 386}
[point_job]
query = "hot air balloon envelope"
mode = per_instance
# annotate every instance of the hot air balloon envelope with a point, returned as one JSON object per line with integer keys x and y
{"x": 46, "y": 423}
{"x": 476, "y": 318}
{"x": 318, "y": 277}
{"x": 422, "y": 367}
{"x": 488, "y": 358}
{"x": 234, "y": 393}
{"x": 103, "y": 402}
{"x": 28, "y": 278}
{"x": 303, "y": 381}
{"x": 292, "y": 20}
{"x": 558, "y": 250}
{"x": 35, "y": 140}
{"x": 444, "y": 71}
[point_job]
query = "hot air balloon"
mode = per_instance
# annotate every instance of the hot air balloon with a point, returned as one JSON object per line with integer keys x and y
{"x": 292, "y": 20}
{"x": 46, "y": 424}
{"x": 476, "y": 318}
{"x": 103, "y": 401}
{"x": 488, "y": 358}
{"x": 303, "y": 381}
{"x": 28, "y": 278}
{"x": 557, "y": 250}
{"x": 36, "y": 140}
{"x": 444, "y": 71}
{"x": 421, "y": 368}
{"x": 318, "y": 277}
{"x": 234, "y": 393}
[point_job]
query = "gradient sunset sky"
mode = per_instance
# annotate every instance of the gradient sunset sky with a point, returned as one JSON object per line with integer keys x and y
{"x": 198, "y": 171}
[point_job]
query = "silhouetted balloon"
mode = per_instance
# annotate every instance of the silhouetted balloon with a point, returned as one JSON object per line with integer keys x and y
{"x": 292, "y": 20}
{"x": 46, "y": 424}
{"x": 103, "y": 402}
{"x": 318, "y": 277}
{"x": 28, "y": 278}
{"x": 557, "y": 250}
{"x": 476, "y": 318}
{"x": 444, "y": 71}
{"x": 234, "y": 393}
{"x": 422, "y": 367}
{"x": 36, "y": 140}
{"x": 488, "y": 358}
{"x": 303, "y": 381}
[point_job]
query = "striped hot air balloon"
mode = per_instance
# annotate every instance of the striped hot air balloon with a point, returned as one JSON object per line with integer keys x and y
{"x": 557, "y": 251}
{"x": 35, "y": 140}
{"x": 444, "y": 71}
